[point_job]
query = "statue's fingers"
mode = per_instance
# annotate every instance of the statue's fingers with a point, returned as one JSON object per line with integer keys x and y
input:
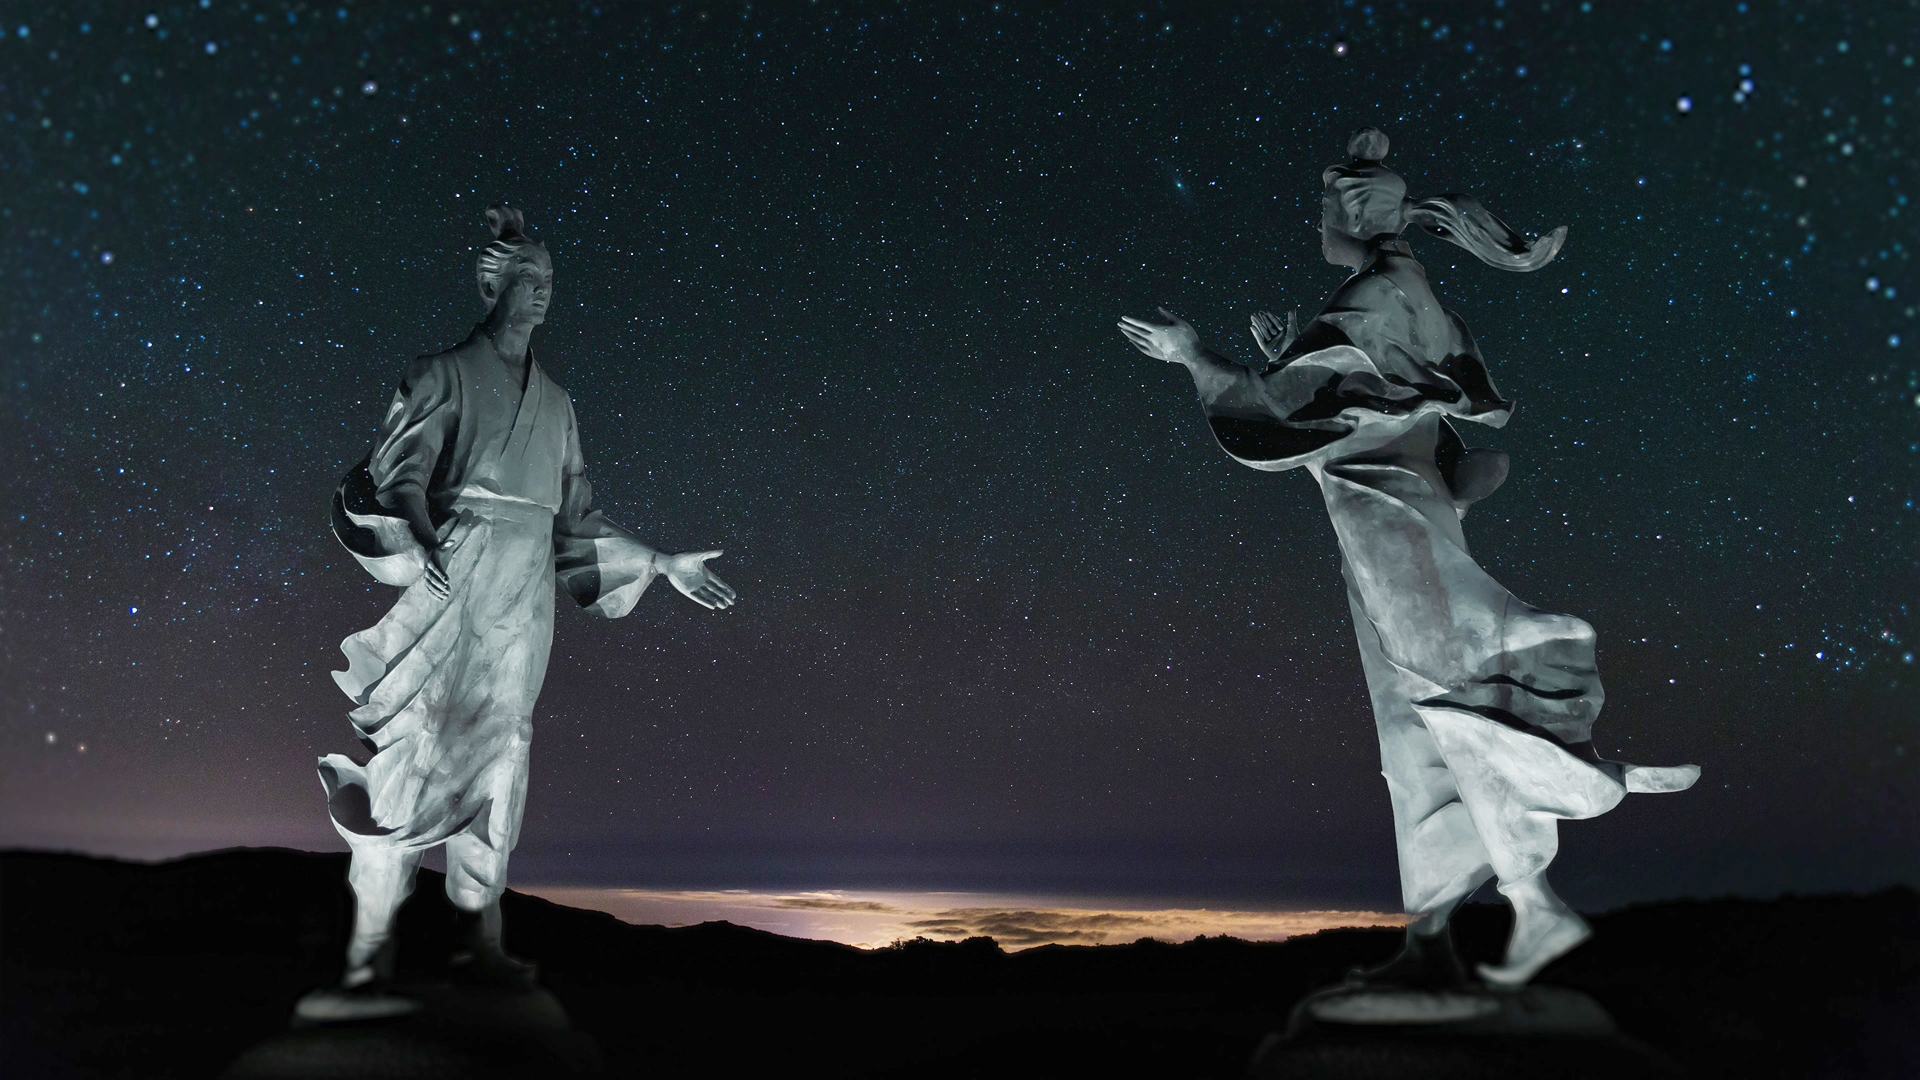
{"x": 721, "y": 588}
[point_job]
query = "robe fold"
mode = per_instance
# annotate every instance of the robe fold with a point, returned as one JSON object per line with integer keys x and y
{"x": 444, "y": 689}
{"x": 1484, "y": 704}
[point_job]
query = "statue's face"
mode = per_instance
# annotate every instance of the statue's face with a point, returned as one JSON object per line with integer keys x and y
{"x": 528, "y": 291}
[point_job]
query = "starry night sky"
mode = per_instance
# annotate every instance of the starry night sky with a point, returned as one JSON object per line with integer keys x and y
{"x": 836, "y": 289}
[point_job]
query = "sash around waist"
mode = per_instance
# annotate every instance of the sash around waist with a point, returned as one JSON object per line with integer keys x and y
{"x": 492, "y": 504}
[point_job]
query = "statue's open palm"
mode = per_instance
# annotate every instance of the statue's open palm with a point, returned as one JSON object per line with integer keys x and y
{"x": 1272, "y": 336}
{"x": 688, "y": 572}
{"x": 1167, "y": 337}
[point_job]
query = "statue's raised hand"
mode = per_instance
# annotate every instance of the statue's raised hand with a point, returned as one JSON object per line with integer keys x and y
{"x": 1165, "y": 337}
{"x": 1271, "y": 336}
{"x": 689, "y": 574}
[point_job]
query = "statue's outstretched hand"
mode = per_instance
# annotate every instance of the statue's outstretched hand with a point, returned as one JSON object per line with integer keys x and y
{"x": 1272, "y": 337}
{"x": 1167, "y": 337}
{"x": 689, "y": 574}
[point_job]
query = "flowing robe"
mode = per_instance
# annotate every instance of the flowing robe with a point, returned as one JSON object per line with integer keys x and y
{"x": 444, "y": 689}
{"x": 1484, "y": 704}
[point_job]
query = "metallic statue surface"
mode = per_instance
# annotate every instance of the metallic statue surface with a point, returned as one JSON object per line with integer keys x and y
{"x": 1484, "y": 704}
{"x": 475, "y": 498}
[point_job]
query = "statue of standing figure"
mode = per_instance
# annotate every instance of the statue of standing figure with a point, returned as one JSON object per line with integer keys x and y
{"x": 475, "y": 497}
{"x": 1484, "y": 704}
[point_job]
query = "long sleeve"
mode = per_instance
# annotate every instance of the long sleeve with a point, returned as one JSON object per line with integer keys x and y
{"x": 1381, "y": 354}
{"x": 418, "y": 424}
{"x": 405, "y": 455}
{"x": 600, "y": 564}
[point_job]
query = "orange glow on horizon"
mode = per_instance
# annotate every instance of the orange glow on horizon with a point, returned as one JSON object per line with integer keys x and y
{"x": 876, "y": 919}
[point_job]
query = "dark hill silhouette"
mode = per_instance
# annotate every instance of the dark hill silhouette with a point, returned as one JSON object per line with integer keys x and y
{"x": 114, "y": 969}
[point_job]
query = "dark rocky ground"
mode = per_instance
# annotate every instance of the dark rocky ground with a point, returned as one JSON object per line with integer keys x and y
{"x": 111, "y": 969}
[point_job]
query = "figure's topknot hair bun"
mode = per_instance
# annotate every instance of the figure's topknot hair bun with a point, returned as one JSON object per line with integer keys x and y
{"x": 1368, "y": 144}
{"x": 507, "y": 222}
{"x": 510, "y": 244}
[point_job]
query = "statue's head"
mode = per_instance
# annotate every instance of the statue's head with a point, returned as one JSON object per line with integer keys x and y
{"x": 515, "y": 269}
{"x": 1364, "y": 204}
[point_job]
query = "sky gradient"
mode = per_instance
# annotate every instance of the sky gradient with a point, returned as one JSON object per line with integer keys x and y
{"x": 836, "y": 288}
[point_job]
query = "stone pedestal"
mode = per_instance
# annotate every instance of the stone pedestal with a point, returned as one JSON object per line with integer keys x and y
{"x": 455, "y": 1031}
{"x": 1363, "y": 1033}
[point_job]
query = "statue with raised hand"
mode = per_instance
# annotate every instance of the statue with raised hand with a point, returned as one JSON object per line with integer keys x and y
{"x": 475, "y": 498}
{"x": 1484, "y": 704}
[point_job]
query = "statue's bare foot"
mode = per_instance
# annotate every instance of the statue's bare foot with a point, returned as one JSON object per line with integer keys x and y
{"x": 1426, "y": 962}
{"x": 1544, "y": 929}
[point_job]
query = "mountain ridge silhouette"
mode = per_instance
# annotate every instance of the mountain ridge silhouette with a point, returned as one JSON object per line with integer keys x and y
{"x": 173, "y": 969}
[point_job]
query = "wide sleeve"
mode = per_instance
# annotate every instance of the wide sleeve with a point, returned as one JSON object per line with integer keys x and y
{"x": 597, "y": 562}
{"x": 418, "y": 424}
{"x": 1381, "y": 354}
{"x": 405, "y": 455}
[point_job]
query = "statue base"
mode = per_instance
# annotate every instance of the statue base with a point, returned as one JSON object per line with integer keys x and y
{"x": 1360, "y": 1032}
{"x": 425, "y": 1030}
